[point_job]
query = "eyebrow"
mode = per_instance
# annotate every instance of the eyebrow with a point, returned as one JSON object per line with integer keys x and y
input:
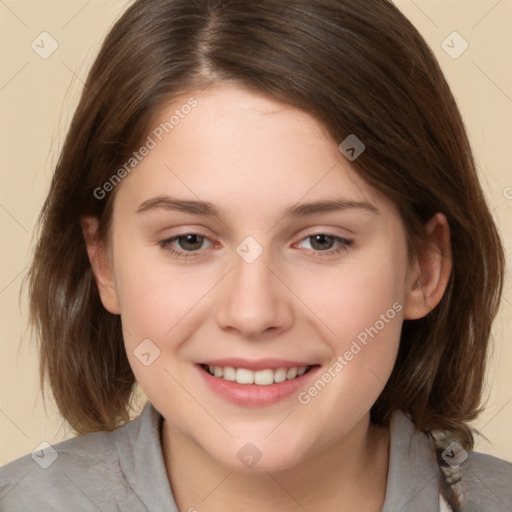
{"x": 208, "y": 209}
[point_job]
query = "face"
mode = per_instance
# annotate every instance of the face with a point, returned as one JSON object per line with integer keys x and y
{"x": 245, "y": 245}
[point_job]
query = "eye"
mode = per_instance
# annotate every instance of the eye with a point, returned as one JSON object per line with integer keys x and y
{"x": 326, "y": 244}
{"x": 185, "y": 245}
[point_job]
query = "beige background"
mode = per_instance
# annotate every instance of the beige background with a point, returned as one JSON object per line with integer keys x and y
{"x": 37, "y": 98}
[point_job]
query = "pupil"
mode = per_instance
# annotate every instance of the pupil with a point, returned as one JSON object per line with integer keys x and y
{"x": 322, "y": 242}
{"x": 190, "y": 242}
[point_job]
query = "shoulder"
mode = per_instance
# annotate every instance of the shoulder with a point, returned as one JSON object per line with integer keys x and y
{"x": 488, "y": 466}
{"x": 480, "y": 482}
{"x": 84, "y": 471}
{"x": 485, "y": 483}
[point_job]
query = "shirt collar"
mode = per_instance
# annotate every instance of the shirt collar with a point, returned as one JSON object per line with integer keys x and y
{"x": 143, "y": 463}
{"x": 413, "y": 473}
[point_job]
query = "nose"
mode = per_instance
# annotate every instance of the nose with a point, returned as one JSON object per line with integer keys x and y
{"x": 254, "y": 303}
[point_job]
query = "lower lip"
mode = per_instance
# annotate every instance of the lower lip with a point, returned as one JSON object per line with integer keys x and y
{"x": 254, "y": 395}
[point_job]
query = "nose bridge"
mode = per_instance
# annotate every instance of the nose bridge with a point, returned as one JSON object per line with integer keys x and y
{"x": 252, "y": 278}
{"x": 254, "y": 300}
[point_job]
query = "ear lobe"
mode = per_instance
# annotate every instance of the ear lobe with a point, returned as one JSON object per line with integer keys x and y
{"x": 100, "y": 264}
{"x": 428, "y": 278}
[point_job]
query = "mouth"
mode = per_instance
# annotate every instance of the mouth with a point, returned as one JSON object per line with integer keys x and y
{"x": 261, "y": 377}
{"x": 256, "y": 383}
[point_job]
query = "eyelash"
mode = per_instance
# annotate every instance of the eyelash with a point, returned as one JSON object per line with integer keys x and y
{"x": 345, "y": 243}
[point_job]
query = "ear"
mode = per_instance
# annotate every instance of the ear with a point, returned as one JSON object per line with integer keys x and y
{"x": 428, "y": 277}
{"x": 101, "y": 265}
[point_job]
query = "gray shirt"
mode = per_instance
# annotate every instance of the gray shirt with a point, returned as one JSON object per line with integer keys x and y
{"x": 124, "y": 470}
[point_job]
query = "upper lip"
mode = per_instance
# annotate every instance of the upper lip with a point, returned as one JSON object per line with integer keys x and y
{"x": 256, "y": 364}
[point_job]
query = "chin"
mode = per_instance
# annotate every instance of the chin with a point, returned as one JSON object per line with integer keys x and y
{"x": 257, "y": 457}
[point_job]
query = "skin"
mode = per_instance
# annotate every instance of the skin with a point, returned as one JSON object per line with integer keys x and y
{"x": 252, "y": 157}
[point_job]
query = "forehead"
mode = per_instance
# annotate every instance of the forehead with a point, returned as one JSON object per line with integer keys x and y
{"x": 240, "y": 148}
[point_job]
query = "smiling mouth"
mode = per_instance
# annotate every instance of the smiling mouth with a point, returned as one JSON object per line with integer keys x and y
{"x": 264, "y": 377}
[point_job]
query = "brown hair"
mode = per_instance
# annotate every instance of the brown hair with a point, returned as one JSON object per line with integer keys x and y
{"x": 358, "y": 67}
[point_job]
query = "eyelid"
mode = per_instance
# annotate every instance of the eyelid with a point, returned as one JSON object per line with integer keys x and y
{"x": 167, "y": 245}
{"x": 343, "y": 245}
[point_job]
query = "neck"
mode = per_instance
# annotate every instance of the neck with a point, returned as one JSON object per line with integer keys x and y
{"x": 349, "y": 475}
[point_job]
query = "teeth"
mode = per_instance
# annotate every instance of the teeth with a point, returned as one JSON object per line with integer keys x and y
{"x": 229, "y": 373}
{"x": 280, "y": 375}
{"x": 260, "y": 377}
{"x": 291, "y": 373}
{"x": 264, "y": 377}
{"x": 242, "y": 375}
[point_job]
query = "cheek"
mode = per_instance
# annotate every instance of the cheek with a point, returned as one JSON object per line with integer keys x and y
{"x": 159, "y": 311}
{"x": 358, "y": 293}
{"x": 160, "y": 302}
{"x": 154, "y": 300}
{"x": 361, "y": 304}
